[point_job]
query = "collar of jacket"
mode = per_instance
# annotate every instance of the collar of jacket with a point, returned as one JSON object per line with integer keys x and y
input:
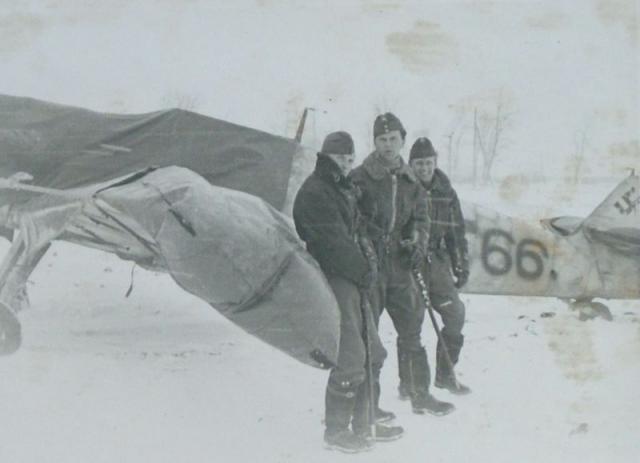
{"x": 440, "y": 182}
{"x": 329, "y": 171}
{"x": 377, "y": 170}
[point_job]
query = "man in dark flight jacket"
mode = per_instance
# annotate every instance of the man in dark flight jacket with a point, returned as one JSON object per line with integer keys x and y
{"x": 326, "y": 216}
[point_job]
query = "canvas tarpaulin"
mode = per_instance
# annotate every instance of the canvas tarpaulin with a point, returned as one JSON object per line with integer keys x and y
{"x": 229, "y": 248}
{"x": 68, "y": 147}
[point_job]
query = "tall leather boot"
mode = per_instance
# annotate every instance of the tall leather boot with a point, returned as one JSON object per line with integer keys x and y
{"x": 404, "y": 387}
{"x": 445, "y": 377}
{"x": 420, "y": 376}
{"x": 380, "y": 415}
{"x": 362, "y": 420}
{"x": 340, "y": 404}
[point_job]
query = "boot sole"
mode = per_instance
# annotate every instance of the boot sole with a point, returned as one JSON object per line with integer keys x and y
{"x": 451, "y": 390}
{"x": 388, "y": 439}
{"x": 424, "y": 411}
{"x": 345, "y": 450}
{"x": 386, "y": 419}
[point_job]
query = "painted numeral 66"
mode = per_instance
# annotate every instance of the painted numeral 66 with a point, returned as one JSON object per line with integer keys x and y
{"x": 498, "y": 260}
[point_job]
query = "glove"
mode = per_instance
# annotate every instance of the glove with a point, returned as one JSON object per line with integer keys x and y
{"x": 462, "y": 276}
{"x": 414, "y": 250}
{"x": 416, "y": 253}
{"x": 417, "y": 257}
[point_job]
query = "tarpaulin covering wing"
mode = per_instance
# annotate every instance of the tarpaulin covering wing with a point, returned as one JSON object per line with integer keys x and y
{"x": 229, "y": 248}
{"x": 67, "y": 147}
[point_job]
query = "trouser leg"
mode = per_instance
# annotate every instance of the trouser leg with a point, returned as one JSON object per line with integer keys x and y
{"x": 345, "y": 378}
{"x": 368, "y": 394}
{"x": 452, "y": 311}
{"x": 408, "y": 316}
{"x": 349, "y": 375}
{"x": 407, "y": 311}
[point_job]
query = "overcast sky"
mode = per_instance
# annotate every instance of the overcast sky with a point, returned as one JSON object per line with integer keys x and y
{"x": 561, "y": 68}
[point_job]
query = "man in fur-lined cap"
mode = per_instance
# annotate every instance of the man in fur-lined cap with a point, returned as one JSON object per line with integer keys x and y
{"x": 326, "y": 216}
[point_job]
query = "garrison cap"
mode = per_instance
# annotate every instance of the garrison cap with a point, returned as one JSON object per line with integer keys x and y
{"x": 337, "y": 143}
{"x": 386, "y": 123}
{"x": 422, "y": 148}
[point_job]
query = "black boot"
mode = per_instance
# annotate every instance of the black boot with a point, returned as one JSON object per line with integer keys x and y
{"x": 424, "y": 402}
{"x": 451, "y": 384}
{"x": 445, "y": 377}
{"x": 404, "y": 359}
{"x": 362, "y": 423}
{"x": 403, "y": 392}
{"x": 383, "y": 416}
{"x": 339, "y": 409}
{"x": 420, "y": 377}
{"x": 380, "y": 415}
{"x": 384, "y": 433}
{"x": 346, "y": 441}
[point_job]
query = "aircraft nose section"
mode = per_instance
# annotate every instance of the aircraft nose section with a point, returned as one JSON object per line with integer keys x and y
{"x": 240, "y": 255}
{"x": 299, "y": 315}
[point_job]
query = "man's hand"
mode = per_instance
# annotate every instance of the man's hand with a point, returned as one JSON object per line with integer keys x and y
{"x": 369, "y": 279}
{"x": 462, "y": 276}
{"x": 408, "y": 244}
{"x": 417, "y": 257}
{"x": 414, "y": 250}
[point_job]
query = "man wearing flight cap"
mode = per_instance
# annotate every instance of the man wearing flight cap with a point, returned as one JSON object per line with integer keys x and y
{"x": 326, "y": 217}
{"x": 448, "y": 258}
{"x": 395, "y": 206}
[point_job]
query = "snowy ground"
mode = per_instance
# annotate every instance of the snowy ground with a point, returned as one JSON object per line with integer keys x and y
{"x": 161, "y": 377}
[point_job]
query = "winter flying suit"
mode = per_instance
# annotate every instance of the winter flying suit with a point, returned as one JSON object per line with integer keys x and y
{"x": 448, "y": 252}
{"x": 396, "y": 208}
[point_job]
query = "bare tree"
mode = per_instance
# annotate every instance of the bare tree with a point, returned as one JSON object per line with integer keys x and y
{"x": 456, "y": 149}
{"x": 454, "y": 138}
{"x": 575, "y": 164}
{"x": 490, "y": 126}
{"x": 449, "y": 138}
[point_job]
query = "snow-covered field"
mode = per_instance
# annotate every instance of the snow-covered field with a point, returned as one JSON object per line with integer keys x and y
{"x": 159, "y": 376}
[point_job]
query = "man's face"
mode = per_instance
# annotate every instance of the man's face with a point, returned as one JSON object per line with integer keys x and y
{"x": 424, "y": 168}
{"x": 344, "y": 161}
{"x": 389, "y": 144}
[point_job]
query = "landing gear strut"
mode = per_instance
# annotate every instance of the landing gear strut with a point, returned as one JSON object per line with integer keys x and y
{"x": 10, "y": 331}
{"x": 15, "y": 268}
{"x": 588, "y": 309}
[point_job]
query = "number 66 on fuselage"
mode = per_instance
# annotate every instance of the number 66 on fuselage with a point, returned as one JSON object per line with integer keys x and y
{"x": 565, "y": 257}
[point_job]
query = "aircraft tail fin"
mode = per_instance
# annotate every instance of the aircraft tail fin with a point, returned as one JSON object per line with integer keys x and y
{"x": 301, "y": 124}
{"x": 620, "y": 209}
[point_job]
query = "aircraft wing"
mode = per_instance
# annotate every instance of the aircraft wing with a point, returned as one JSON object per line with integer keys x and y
{"x": 66, "y": 147}
{"x": 231, "y": 249}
